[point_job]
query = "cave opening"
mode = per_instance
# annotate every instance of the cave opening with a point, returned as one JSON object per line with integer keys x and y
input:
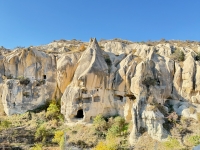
{"x": 79, "y": 114}
{"x": 44, "y": 77}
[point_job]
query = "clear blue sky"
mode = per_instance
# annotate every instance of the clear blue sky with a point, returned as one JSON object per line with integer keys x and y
{"x": 35, "y": 22}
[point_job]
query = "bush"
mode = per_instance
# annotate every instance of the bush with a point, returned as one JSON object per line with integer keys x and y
{"x": 194, "y": 140}
{"x": 53, "y": 111}
{"x": 172, "y": 143}
{"x": 24, "y": 81}
{"x": 112, "y": 132}
{"x": 173, "y": 117}
{"x": 100, "y": 124}
{"x": 101, "y": 146}
{"x": 5, "y": 124}
{"x": 106, "y": 146}
{"x": 118, "y": 127}
{"x": 198, "y": 56}
{"x": 58, "y": 136}
{"x": 178, "y": 55}
{"x": 41, "y": 133}
{"x": 62, "y": 143}
{"x": 37, "y": 146}
{"x": 82, "y": 47}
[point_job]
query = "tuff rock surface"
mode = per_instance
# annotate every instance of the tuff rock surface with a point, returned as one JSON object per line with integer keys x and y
{"x": 111, "y": 77}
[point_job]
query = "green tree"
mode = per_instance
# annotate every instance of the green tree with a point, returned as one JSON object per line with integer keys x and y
{"x": 59, "y": 138}
{"x": 53, "y": 111}
{"x": 100, "y": 124}
{"x": 41, "y": 133}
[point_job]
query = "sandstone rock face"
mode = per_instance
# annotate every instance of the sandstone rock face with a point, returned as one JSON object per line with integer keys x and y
{"x": 66, "y": 66}
{"x": 37, "y": 69}
{"x": 132, "y": 80}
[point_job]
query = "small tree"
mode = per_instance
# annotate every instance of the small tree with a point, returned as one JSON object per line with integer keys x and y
{"x": 100, "y": 124}
{"x": 53, "y": 111}
{"x": 59, "y": 138}
{"x": 41, "y": 133}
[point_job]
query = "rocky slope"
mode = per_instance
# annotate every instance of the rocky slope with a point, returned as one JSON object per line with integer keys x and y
{"x": 143, "y": 82}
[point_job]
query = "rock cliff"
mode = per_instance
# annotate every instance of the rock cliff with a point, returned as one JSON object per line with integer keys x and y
{"x": 138, "y": 81}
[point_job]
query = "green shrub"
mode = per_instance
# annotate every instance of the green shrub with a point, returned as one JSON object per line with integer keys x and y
{"x": 194, "y": 140}
{"x": 106, "y": 146}
{"x": 41, "y": 133}
{"x": 172, "y": 143}
{"x": 37, "y": 146}
{"x": 107, "y": 60}
{"x": 178, "y": 55}
{"x": 58, "y": 136}
{"x": 198, "y": 56}
{"x": 101, "y": 146}
{"x": 118, "y": 127}
{"x": 62, "y": 143}
{"x": 24, "y": 81}
{"x": 100, "y": 124}
{"x": 5, "y": 124}
{"x": 53, "y": 111}
{"x": 112, "y": 132}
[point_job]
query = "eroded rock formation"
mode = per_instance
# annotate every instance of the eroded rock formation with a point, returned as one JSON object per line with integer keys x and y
{"x": 132, "y": 80}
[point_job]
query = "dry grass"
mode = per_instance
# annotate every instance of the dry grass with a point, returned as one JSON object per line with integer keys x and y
{"x": 145, "y": 142}
{"x": 82, "y": 47}
{"x": 82, "y": 135}
{"x": 73, "y": 48}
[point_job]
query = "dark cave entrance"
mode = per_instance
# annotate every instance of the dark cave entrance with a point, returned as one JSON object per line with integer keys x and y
{"x": 44, "y": 77}
{"x": 79, "y": 114}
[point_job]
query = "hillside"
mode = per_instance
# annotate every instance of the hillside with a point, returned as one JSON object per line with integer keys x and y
{"x": 112, "y": 90}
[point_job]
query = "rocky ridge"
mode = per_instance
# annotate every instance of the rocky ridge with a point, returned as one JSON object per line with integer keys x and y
{"x": 141, "y": 82}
